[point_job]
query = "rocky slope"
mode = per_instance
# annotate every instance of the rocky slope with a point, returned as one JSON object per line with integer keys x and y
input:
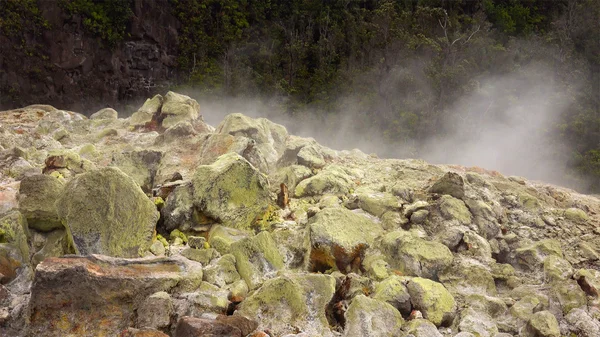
{"x": 160, "y": 224}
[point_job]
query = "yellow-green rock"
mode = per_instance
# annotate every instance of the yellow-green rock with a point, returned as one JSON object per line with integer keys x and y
{"x": 37, "y": 195}
{"x": 371, "y": 317}
{"x": 433, "y": 300}
{"x": 106, "y": 212}
{"x": 415, "y": 256}
{"x": 231, "y": 190}
{"x": 256, "y": 257}
{"x": 290, "y": 303}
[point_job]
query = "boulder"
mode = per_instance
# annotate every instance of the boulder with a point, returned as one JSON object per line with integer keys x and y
{"x": 477, "y": 323}
{"x": 141, "y": 165}
{"x": 145, "y": 112}
{"x": 221, "y": 238}
{"x": 421, "y": 328}
{"x": 290, "y": 303}
{"x": 178, "y": 108}
{"x": 106, "y": 212}
{"x": 331, "y": 180}
{"x": 14, "y": 252}
{"x": 231, "y": 191}
{"x": 116, "y": 288}
{"x": 415, "y": 256}
{"x": 370, "y": 317}
{"x": 433, "y": 300}
{"x": 256, "y": 257}
{"x": 542, "y": 324}
{"x": 155, "y": 311}
{"x": 394, "y": 292}
{"x": 106, "y": 113}
{"x": 454, "y": 209}
{"x": 338, "y": 239}
{"x": 451, "y": 184}
{"x": 532, "y": 256}
{"x": 37, "y": 195}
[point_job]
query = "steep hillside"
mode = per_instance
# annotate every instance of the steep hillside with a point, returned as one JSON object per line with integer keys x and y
{"x": 160, "y": 224}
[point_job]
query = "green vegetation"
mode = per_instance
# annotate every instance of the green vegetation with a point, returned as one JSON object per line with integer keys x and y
{"x": 105, "y": 18}
{"x": 19, "y": 17}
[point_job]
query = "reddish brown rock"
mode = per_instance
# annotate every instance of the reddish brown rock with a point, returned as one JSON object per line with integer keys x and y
{"x": 98, "y": 295}
{"x": 200, "y": 327}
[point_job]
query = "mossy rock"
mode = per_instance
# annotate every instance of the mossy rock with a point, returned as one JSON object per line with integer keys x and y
{"x": 533, "y": 256}
{"x": 14, "y": 232}
{"x": 421, "y": 328}
{"x": 451, "y": 184}
{"x": 141, "y": 165}
{"x": 332, "y": 180}
{"x": 221, "y": 238}
{"x": 56, "y": 245}
{"x": 223, "y": 272}
{"x": 576, "y": 215}
{"x": 467, "y": 275}
{"x": 106, "y": 113}
{"x": 394, "y": 292}
{"x": 368, "y": 317}
{"x": 415, "y": 256}
{"x": 478, "y": 323}
{"x": 146, "y": 111}
{"x": 377, "y": 203}
{"x": 569, "y": 295}
{"x": 338, "y": 239}
{"x": 256, "y": 257}
{"x": 178, "y": 108}
{"x": 433, "y": 300}
{"x": 106, "y": 212}
{"x": 557, "y": 269}
{"x": 290, "y": 303}
{"x": 231, "y": 190}
{"x": 543, "y": 324}
{"x": 455, "y": 209}
{"x": 37, "y": 195}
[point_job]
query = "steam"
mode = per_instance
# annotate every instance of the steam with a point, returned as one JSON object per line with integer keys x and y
{"x": 505, "y": 125}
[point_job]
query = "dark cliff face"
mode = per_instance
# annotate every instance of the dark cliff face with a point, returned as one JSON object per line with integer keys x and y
{"x": 71, "y": 68}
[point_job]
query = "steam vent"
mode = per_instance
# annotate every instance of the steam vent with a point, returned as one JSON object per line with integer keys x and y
{"x": 162, "y": 225}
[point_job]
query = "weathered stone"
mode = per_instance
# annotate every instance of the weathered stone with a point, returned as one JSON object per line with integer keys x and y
{"x": 155, "y": 311}
{"x": 199, "y": 327}
{"x": 106, "y": 113}
{"x": 256, "y": 257}
{"x": 421, "y": 328}
{"x": 207, "y": 298}
{"x": 532, "y": 256}
{"x": 140, "y": 165}
{"x": 37, "y": 195}
{"x": 283, "y": 304}
{"x": 543, "y": 324}
{"x": 394, "y": 292}
{"x": 477, "y": 323}
{"x": 415, "y": 256}
{"x": 114, "y": 287}
{"x": 202, "y": 255}
{"x": 468, "y": 276}
{"x": 144, "y": 332}
{"x": 106, "y": 212}
{"x": 146, "y": 111}
{"x": 576, "y": 215}
{"x": 178, "y": 108}
{"x": 367, "y": 317}
{"x": 339, "y": 238}
{"x": 454, "y": 209}
{"x": 331, "y": 180}
{"x": 231, "y": 190}
{"x": 55, "y": 245}
{"x": 451, "y": 183}
{"x": 221, "y": 238}
{"x": 582, "y": 324}
{"x": 433, "y": 300}
{"x": 14, "y": 250}
{"x": 223, "y": 272}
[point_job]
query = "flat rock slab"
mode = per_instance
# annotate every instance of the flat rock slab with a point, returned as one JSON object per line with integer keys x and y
{"x": 99, "y": 295}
